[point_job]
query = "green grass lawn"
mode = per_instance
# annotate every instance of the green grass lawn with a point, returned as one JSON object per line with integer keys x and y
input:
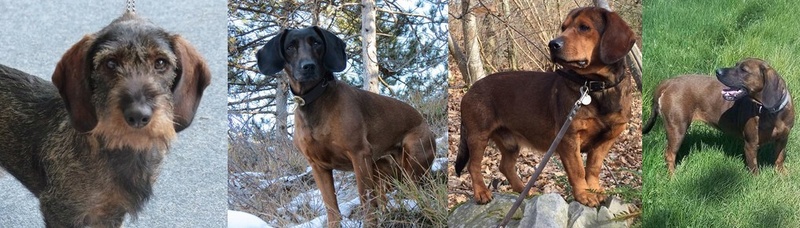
{"x": 711, "y": 186}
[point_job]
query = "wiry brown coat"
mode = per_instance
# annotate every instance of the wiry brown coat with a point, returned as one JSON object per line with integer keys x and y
{"x": 90, "y": 147}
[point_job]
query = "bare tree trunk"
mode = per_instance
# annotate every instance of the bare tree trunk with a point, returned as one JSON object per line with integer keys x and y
{"x": 471, "y": 47}
{"x": 602, "y": 4}
{"x": 369, "y": 53}
{"x": 281, "y": 112}
{"x": 315, "y": 13}
{"x": 281, "y": 109}
{"x": 458, "y": 55}
{"x": 511, "y": 52}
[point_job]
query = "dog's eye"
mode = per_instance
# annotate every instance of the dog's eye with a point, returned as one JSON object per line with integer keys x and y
{"x": 111, "y": 64}
{"x": 583, "y": 28}
{"x": 160, "y": 64}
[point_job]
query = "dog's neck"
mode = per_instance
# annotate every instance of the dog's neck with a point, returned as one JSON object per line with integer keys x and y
{"x": 312, "y": 94}
{"x": 785, "y": 98}
{"x": 617, "y": 76}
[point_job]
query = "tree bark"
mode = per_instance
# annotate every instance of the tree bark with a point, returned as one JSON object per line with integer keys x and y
{"x": 511, "y": 52}
{"x": 369, "y": 53}
{"x": 471, "y": 46}
{"x": 281, "y": 112}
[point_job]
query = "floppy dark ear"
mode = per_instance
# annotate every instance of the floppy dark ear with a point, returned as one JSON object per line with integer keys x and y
{"x": 774, "y": 87}
{"x": 334, "y": 59}
{"x": 192, "y": 77}
{"x": 617, "y": 39}
{"x": 270, "y": 58}
{"x": 71, "y": 79}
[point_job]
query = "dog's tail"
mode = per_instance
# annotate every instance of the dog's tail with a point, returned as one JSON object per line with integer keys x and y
{"x": 463, "y": 152}
{"x": 653, "y": 115}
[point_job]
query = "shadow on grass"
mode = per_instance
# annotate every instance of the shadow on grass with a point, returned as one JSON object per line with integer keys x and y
{"x": 716, "y": 184}
{"x": 774, "y": 216}
{"x": 730, "y": 145}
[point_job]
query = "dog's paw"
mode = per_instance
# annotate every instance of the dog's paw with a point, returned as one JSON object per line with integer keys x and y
{"x": 483, "y": 196}
{"x": 589, "y": 199}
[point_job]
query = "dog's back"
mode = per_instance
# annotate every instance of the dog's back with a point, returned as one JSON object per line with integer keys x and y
{"x": 505, "y": 104}
{"x": 687, "y": 98}
{"x": 28, "y": 107}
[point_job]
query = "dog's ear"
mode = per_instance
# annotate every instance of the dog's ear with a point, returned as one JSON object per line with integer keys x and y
{"x": 334, "y": 59}
{"x": 192, "y": 77}
{"x": 270, "y": 58}
{"x": 774, "y": 87}
{"x": 617, "y": 39}
{"x": 71, "y": 77}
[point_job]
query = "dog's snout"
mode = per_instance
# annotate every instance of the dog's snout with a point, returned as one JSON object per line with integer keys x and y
{"x": 138, "y": 115}
{"x": 136, "y": 105}
{"x": 308, "y": 65}
{"x": 720, "y": 72}
{"x": 556, "y": 44}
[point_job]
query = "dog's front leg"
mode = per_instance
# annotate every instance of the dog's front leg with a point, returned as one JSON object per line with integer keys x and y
{"x": 751, "y": 141}
{"x": 595, "y": 158}
{"x": 780, "y": 153}
{"x": 571, "y": 158}
{"x": 324, "y": 179}
{"x": 364, "y": 169}
{"x": 750, "y": 152}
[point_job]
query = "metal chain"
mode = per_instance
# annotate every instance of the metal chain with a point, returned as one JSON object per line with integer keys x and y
{"x": 130, "y": 6}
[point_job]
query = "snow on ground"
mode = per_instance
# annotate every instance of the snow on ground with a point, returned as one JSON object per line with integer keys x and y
{"x": 346, "y": 193}
{"x": 238, "y": 219}
{"x": 439, "y": 164}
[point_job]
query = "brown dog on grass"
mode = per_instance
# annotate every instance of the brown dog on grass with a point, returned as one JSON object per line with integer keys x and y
{"x": 90, "y": 147}
{"x": 755, "y": 105}
{"x": 345, "y": 128}
{"x": 516, "y": 109}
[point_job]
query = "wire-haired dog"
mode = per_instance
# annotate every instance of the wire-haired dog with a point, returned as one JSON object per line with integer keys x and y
{"x": 90, "y": 147}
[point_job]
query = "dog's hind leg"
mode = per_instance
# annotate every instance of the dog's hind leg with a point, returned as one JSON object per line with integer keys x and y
{"x": 476, "y": 142}
{"x": 419, "y": 151}
{"x": 676, "y": 126}
{"x": 509, "y": 150}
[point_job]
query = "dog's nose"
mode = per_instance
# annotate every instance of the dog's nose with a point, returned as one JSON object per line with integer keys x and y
{"x": 720, "y": 72}
{"x": 556, "y": 44}
{"x": 307, "y": 65}
{"x": 138, "y": 115}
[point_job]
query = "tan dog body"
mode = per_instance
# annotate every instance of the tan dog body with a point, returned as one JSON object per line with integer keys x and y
{"x": 344, "y": 128}
{"x": 516, "y": 109}
{"x": 688, "y": 98}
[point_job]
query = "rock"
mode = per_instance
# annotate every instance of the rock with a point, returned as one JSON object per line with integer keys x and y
{"x": 471, "y": 214}
{"x": 581, "y": 216}
{"x": 548, "y": 210}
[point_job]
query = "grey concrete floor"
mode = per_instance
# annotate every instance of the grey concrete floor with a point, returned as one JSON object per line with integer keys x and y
{"x": 191, "y": 191}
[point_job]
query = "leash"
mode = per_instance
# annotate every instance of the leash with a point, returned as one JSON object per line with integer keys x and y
{"x": 583, "y": 100}
{"x": 130, "y": 6}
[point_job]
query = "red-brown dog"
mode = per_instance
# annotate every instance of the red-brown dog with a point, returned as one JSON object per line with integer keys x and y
{"x": 527, "y": 108}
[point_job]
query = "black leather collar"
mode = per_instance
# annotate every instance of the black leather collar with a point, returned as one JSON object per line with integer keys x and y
{"x": 593, "y": 86}
{"x": 311, "y": 95}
